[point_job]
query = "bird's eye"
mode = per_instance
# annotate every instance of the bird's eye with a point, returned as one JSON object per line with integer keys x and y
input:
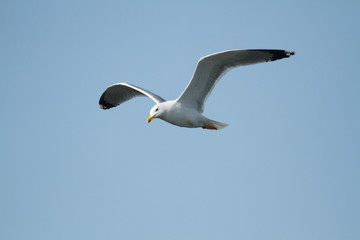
{"x": 157, "y": 109}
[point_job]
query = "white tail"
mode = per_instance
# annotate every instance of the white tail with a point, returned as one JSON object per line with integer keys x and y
{"x": 214, "y": 125}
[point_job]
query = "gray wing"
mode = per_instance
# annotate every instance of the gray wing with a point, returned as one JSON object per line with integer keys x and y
{"x": 211, "y": 68}
{"x": 122, "y": 92}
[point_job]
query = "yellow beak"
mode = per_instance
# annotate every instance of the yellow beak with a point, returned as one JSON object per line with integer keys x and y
{"x": 150, "y": 118}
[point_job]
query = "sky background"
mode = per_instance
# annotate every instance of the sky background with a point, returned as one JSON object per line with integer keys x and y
{"x": 286, "y": 167}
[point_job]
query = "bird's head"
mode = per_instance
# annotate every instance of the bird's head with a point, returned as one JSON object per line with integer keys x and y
{"x": 155, "y": 112}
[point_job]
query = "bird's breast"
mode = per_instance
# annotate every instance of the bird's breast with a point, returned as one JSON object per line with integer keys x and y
{"x": 183, "y": 116}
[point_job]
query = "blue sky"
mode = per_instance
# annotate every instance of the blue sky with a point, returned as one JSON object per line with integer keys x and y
{"x": 287, "y": 167}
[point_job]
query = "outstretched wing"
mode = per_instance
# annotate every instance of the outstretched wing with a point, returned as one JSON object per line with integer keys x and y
{"x": 122, "y": 92}
{"x": 211, "y": 68}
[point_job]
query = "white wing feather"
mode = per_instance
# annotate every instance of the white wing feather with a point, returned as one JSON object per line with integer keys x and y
{"x": 211, "y": 68}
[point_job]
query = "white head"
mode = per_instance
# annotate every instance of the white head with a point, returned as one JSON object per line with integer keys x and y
{"x": 155, "y": 112}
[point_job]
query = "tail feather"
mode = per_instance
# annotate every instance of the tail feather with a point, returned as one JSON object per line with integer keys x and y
{"x": 214, "y": 125}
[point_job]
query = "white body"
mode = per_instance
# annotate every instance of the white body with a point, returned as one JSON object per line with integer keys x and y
{"x": 180, "y": 115}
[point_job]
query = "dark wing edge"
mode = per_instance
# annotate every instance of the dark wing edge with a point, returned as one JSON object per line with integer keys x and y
{"x": 122, "y": 92}
{"x": 276, "y": 54}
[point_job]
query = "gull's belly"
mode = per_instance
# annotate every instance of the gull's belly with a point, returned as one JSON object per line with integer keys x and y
{"x": 185, "y": 117}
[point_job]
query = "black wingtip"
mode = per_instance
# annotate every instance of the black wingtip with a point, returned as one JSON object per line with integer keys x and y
{"x": 104, "y": 104}
{"x": 275, "y": 53}
{"x": 279, "y": 54}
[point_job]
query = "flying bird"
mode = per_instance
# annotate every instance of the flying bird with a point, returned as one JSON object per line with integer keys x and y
{"x": 186, "y": 110}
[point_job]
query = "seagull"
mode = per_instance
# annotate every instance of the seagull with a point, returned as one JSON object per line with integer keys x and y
{"x": 186, "y": 110}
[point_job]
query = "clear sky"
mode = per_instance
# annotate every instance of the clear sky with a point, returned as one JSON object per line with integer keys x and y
{"x": 286, "y": 167}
